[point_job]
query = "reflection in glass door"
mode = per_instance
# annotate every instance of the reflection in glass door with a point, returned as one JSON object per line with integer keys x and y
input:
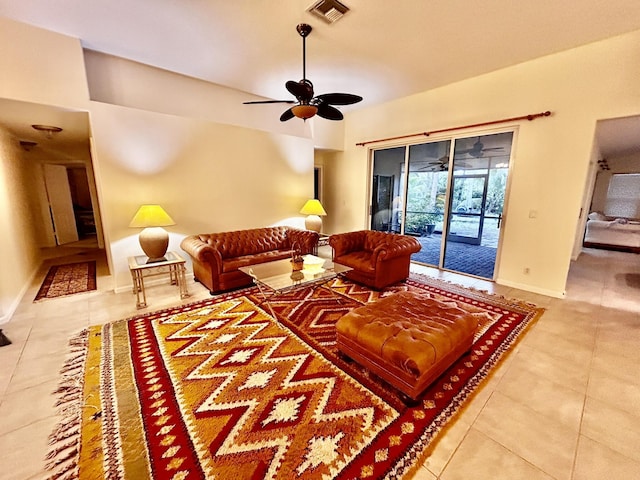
{"x": 387, "y": 190}
{"x": 465, "y": 214}
{"x": 427, "y": 183}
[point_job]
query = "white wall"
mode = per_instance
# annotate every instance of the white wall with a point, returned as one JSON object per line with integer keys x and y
{"x": 551, "y": 156}
{"x": 131, "y": 84}
{"x": 40, "y": 66}
{"x": 18, "y": 243}
{"x": 208, "y": 176}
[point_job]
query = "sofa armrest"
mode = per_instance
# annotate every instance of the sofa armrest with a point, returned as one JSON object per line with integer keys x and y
{"x": 305, "y": 239}
{"x": 343, "y": 243}
{"x": 398, "y": 246}
{"x": 202, "y": 252}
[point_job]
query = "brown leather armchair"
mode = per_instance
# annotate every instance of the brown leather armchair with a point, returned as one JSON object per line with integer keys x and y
{"x": 378, "y": 259}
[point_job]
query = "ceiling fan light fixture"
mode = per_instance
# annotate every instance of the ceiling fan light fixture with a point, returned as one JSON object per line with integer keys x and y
{"x": 304, "y": 111}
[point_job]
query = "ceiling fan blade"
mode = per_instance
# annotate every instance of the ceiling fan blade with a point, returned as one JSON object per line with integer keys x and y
{"x": 302, "y": 90}
{"x": 339, "y": 98}
{"x": 329, "y": 112}
{"x": 268, "y": 101}
{"x": 287, "y": 115}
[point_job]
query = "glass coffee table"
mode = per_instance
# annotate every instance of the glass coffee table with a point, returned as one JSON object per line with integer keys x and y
{"x": 278, "y": 277}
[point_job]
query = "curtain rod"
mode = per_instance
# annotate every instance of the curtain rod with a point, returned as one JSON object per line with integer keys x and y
{"x": 530, "y": 117}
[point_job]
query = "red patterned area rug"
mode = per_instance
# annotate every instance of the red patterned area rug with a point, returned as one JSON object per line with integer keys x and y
{"x": 68, "y": 279}
{"x": 219, "y": 389}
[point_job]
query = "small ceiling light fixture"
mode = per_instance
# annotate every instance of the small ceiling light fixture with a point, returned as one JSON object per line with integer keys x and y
{"x": 27, "y": 146}
{"x": 304, "y": 111}
{"x": 48, "y": 130}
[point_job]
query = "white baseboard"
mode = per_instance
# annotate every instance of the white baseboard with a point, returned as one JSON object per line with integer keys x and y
{"x": 530, "y": 288}
{"x": 6, "y": 316}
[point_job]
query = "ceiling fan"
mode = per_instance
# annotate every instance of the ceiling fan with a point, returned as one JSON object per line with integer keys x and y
{"x": 307, "y": 105}
{"x": 477, "y": 149}
{"x": 442, "y": 164}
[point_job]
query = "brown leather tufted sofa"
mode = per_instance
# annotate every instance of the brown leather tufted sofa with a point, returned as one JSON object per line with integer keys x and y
{"x": 378, "y": 259}
{"x": 217, "y": 256}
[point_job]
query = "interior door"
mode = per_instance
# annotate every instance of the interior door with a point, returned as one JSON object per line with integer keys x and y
{"x": 60, "y": 203}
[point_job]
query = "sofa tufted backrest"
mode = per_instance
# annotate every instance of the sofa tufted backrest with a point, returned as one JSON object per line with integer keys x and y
{"x": 374, "y": 239}
{"x": 248, "y": 242}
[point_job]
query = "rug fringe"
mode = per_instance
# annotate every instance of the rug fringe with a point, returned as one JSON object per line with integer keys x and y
{"x": 64, "y": 441}
{"x": 513, "y": 302}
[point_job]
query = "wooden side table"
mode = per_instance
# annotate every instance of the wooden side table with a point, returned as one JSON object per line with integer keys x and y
{"x": 139, "y": 268}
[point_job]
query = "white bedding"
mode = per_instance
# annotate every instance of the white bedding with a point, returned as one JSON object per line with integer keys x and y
{"x": 613, "y": 232}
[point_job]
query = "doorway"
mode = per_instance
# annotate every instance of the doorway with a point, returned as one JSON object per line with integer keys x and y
{"x": 454, "y": 208}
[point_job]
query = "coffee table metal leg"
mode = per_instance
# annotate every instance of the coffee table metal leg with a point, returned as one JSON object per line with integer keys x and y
{"x": 265, "y": 297}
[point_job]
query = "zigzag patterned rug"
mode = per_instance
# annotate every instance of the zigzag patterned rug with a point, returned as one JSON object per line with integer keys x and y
{"x": 219, "y": 389}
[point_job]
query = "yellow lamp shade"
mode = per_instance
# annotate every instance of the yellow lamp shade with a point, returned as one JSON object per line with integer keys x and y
{"x": 154, "y": 239}
{"x": 313, "y": 207}
{"x": 151, "y": 216}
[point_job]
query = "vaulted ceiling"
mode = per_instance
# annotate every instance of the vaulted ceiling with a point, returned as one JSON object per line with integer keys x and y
{"x": 380, "y": 49}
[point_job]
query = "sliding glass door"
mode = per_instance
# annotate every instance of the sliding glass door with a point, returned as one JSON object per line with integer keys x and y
{"x": 387, "y": 190}
{"x": 453, "y": 208}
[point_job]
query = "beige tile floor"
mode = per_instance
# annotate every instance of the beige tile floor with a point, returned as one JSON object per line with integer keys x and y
{"x": 565, "y": 403}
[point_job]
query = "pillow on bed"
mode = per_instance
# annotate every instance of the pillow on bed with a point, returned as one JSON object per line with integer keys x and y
{"x": 596, "y": 216}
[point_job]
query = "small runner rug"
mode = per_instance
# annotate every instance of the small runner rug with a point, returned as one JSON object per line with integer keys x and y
{"x": 68, "y": 279}
{"x": 220, "y": 389}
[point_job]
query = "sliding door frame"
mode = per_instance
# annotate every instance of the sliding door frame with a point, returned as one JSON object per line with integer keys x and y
{"x": 447, "y": 200}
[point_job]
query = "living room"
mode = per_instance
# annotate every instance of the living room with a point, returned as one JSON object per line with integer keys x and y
{"x": 180, "y": 150}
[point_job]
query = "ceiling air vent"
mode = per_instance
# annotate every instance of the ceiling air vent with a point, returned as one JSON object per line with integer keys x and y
{"x": 328, "y": 10}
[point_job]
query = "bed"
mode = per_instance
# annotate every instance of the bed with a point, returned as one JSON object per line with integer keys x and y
{"x": 612, "y": 233}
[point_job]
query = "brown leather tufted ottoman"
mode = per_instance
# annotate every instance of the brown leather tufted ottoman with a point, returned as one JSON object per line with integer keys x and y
{"x": 406, "y": 339}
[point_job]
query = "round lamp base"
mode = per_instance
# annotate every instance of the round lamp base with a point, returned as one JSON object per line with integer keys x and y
{"x": 313, "y": 222}
{"x": 154, "y": 242}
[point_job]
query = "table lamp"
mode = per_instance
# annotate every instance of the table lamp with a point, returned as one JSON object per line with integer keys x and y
{"x": 154, "y": 239}
{"x": 313, "y": 209}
